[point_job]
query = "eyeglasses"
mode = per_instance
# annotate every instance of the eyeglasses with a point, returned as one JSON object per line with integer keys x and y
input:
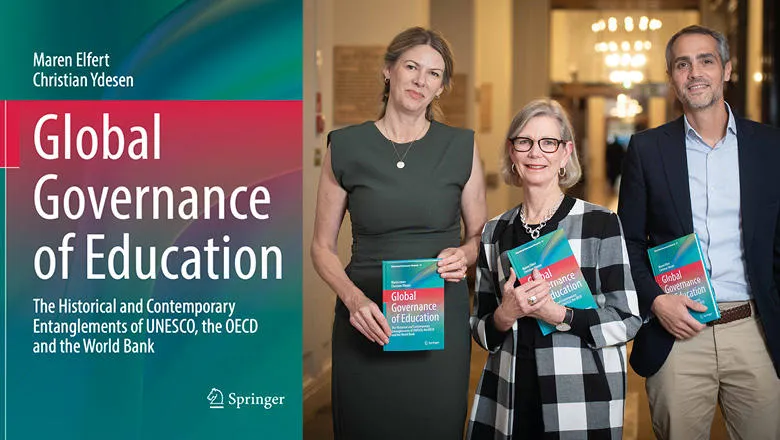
{"x": 547, "y": 145}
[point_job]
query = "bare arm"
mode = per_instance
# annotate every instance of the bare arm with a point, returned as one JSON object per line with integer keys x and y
{"x": 455, "y": 261}
{"x": 331, "y": 207}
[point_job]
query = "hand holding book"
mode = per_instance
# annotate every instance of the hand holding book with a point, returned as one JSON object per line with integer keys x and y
{"x": 549, "y": 259}
{"x": 551, "y": 312}
{"x": 452, "y": 264}
{"x": 528, "y": 299}
{"x": 672, "y": 312}
{"x": 366, "y": 317}
{"x": 688, "y": 301}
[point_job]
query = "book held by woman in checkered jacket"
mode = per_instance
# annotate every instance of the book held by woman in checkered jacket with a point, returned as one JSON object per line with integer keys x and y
{"x": 551, "y": 255}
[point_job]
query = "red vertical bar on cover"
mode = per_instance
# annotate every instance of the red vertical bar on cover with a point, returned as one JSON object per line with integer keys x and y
{"x": 10, "y": 122}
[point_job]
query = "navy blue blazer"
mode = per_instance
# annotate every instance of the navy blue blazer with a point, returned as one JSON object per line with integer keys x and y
{"x": 655, "y": 207}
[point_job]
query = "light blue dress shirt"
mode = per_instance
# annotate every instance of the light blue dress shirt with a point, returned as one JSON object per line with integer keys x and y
{"x": 713, "y": 178}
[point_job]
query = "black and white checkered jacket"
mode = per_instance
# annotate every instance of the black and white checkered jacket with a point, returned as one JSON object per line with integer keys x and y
{"x": 581, "y": 373}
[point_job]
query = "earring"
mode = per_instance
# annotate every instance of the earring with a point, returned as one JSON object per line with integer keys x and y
{"x": 387, "y": 80}
{"x": 437, "y": 97}
{"x": 562, "y": 172}
{"x": 514, "y": 171}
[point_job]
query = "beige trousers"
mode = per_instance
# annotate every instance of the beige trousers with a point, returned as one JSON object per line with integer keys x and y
{"x": 727, "y": 363}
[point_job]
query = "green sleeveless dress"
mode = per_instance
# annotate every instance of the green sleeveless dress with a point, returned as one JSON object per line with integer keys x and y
{"x": 397, "y": 214}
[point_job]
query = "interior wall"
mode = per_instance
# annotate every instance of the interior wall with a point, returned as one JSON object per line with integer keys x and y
{"x": 493, "y": 79}
{"x": 595, "y": 157}
{"x": 371, "y": 23}
{"x": 318, "y": 301}
{"x": 455, "y": 20}
{"x": 530, "y": 34}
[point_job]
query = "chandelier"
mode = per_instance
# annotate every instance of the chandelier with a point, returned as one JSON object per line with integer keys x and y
{"x": 625, "y": 107}
{"x": 624, "y": 45}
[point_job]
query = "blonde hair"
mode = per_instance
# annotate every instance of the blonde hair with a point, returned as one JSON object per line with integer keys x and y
{"x": 535, "y": 108}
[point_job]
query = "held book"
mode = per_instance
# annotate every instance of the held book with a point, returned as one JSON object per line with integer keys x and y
{"x": 413, "y": 303}
{"x": 552, "y": 255}
{"x": 679, "y": 270}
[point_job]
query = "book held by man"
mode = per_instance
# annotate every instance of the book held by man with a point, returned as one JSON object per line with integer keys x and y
{"x": 552, "y": 255}
{"x": 678, "y": 267}
{"x": 413, "y": 303}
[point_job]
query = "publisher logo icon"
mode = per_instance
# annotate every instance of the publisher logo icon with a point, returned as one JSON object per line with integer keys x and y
{"x": 215, "y": 398}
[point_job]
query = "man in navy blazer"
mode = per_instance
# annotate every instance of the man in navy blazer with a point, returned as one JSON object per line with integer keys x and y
{"x": 718, "y": 175}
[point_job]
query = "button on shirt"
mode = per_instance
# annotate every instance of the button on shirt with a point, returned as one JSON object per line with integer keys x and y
{"x": 713, "y": 178}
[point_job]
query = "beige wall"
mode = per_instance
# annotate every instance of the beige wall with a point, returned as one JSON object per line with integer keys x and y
{"x": 595, "y": 152}
{"x": 530, "y": 70}
{"x": 373, "y": 22}
{"x": 493, "y": 57}
{"x": 317, "y": 300}
{"x": 455, "y": 20}
{"x": 531, "y": 38}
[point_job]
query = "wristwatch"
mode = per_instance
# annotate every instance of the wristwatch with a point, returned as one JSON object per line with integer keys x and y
{"x": 567, "y": 319}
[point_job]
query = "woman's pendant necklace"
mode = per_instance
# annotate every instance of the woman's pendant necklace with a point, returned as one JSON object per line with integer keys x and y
{"x": 401, "y": 164}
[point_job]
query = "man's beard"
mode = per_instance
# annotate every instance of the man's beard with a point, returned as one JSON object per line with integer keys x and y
{"x": 700, "y": 102}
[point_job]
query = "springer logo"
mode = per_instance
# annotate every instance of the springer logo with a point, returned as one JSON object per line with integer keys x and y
{"x": 215, "y": 398}
{"x": 238, "y": 401}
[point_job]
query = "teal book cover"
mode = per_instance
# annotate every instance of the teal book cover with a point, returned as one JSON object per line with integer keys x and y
{"x": 678, "y": 268}
{"x": 552, "y": 255}
{"x": 413, "y": 303}
{"x": 151, "y": 196}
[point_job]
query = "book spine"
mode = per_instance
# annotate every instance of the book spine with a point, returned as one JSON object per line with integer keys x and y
{"x": 712, "y": 302}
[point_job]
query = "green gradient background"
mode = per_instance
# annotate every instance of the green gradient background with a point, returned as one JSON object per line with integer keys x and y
{"x": 62, "y": 27}
{"x": 176, "y": 50}
{"x": 204, "y": 49}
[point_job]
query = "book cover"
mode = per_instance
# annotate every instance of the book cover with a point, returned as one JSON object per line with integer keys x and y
{"x": 552, "y": 255}
{"x": 413, "y": 303}
{"x": 152, "y": 255}
{"x": 678, "y": 267}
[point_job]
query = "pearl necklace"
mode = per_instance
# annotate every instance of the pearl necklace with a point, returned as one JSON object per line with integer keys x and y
{"x": 534, "y": 232}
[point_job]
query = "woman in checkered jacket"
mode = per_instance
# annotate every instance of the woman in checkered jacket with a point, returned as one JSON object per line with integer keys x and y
{"x": 570, "y": 383}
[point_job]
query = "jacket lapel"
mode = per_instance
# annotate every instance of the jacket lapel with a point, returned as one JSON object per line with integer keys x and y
{"x": 749, "y": 188}
{"x": 675, "y": 163}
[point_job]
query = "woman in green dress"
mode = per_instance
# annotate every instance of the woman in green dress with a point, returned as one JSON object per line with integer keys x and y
{"x": 407, "y": 181}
